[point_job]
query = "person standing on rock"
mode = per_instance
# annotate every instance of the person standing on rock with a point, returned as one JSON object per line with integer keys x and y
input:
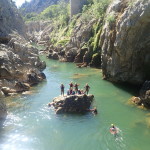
{"x": 71, "y": 85}
{"x": 87, "y": 87}
{"x": 76, "y": 87}
{"x": 62, "y": 87}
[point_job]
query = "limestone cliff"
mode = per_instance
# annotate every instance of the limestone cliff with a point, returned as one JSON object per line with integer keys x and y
{"x": 10, "y": 19}
{"x": 125, "y": 42}
{"x": 17, "y": 57}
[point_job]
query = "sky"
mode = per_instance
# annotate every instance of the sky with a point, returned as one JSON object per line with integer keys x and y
{"x": 20, "y": 2}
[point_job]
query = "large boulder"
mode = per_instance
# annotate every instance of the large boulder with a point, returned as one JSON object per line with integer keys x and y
{"x": 146, "y": 99}
{"x": 72, "y": 103}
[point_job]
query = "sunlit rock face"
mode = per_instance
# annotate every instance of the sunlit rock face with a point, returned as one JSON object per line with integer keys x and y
{"x": 10, "y": 19}
{"x": 18, "y": 59}
{"x": 125, "y": 42}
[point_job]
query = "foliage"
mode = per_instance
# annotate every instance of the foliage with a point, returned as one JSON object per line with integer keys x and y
{"x": 110, "y": 18}
{"x": 30, "y": 16}
{"x": 64, "y": 26}
{"x": 131, "y": 3}
{"x": 62, "y": 42}
{"x": 59, "y": 12}
{"x": 96, "y": 41}
{"x": 95, "y": 9}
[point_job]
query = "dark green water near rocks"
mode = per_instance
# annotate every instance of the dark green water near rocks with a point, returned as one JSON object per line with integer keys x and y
{"x": 31, "y": 125}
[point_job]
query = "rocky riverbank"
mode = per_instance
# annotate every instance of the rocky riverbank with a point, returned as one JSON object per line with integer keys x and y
{"x": 20, "y": 65}
{"x": 144, "y": 96}
{"x": 72, "y": 103}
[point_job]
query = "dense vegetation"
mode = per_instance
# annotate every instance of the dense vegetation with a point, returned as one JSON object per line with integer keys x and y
{"x": 37, "y": 6}
{"x": 53, "y": 12}
{"x": 63, "y": 26}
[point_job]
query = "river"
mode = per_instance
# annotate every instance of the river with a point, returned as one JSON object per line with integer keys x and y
{"x": 31, "y": 125}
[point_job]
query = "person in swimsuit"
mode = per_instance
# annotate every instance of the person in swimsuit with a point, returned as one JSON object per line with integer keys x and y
{"x": 87, "y": 87}
{"x": 62, "y": 87}
{"x": 113, "y": 129}
{"x": 71, "y": 85}
{"x": 76, "y": 87}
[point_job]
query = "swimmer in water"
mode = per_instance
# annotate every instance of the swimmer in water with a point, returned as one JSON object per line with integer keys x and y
{"x": 113, "y": 130}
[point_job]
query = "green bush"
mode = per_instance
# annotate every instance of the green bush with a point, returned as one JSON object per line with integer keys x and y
{"x": 96, "y": 8}
{"x": 131, "y": 3}
{"x": 111, "y": 18}
{"x": 58, "y": 13}
{"x": 62, "y": 42}
{"x": 96, "y": 42}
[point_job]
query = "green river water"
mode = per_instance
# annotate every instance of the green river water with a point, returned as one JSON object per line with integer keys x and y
{"x": 31, "y": 125}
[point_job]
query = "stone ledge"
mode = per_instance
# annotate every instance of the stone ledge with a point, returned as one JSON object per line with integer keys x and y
{"x": 72, "y": 103}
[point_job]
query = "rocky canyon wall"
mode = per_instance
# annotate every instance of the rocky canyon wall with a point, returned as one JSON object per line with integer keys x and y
{"x": 10, "y": 19}
{"x": 125, "y": 42}
{"x": 18, "y": 59}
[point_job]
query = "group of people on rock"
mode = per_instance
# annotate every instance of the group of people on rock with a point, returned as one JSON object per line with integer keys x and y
{"x": 74, "y": 89}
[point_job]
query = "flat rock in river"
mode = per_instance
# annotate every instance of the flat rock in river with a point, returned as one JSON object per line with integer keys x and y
{"x": 72, "y": 103}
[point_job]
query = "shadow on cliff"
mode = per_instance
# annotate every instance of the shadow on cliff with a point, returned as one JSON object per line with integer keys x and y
{"x": 132, "y": 89}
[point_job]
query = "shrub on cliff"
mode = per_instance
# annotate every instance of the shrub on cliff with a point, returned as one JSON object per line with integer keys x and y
{"x": 95, "y": 8}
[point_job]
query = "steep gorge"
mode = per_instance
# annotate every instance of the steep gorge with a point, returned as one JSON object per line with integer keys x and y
{"x": 117, "y": 39}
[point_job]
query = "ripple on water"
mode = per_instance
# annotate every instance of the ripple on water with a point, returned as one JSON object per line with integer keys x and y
{"x": 12, "y": 120}
{"x": 17, "y": 141}
{"x": 113, "y": 141}
{"x": 44, "y": 113}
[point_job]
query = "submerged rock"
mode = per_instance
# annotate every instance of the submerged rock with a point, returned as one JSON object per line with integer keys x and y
{"x": 136, "y": 100}
{"x": 72, "y": 103}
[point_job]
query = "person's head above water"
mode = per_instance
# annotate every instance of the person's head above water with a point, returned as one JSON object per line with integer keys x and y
{"x": 112, "y": 125}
